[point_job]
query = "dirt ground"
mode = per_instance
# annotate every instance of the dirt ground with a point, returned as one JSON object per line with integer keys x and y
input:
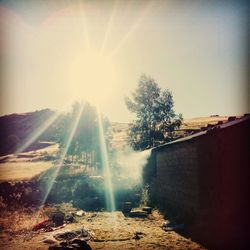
{"x": 109, "y": 230}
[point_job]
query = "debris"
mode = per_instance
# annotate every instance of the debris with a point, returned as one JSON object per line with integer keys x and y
{"x": 50, "y": 240}
{"x": 138, "y": 213}
{"x": 172, "y": 226}
{"x": 70, "y": 218}
{"x": 81, "y": 243}
{"x": 71, "y": 246}
{"x": 147, "y": 209}
{"x": 55, "y": 221}
{"x": 75, "y": 239}
{"x": 59, "y": 227}
{"x": 126, "y": 207}
{"x": 46, "y": 224}
{"x": 80, "y": 234}
{"x": 105, "y": 240}
{"x": 58, "y": 218}
{"x": 80, "y": 213}
{"x": 138, "y": 235}
{"x": 55, "y": 247}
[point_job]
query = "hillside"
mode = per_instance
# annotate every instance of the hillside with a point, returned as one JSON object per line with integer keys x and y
{"x": 16, "y": 128}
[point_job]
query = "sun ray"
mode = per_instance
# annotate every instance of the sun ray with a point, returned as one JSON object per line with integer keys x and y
{"x": 132, "y": 29}
{"x": 64, "y": 152}
{"x": 109, "y": 27}
{"x": 35, "y": 135}
{"x": 109, "y": 191}
{"x": 75, "y": 20}
{"x": 85, "y": 26}
{"x": 40, "y": 130}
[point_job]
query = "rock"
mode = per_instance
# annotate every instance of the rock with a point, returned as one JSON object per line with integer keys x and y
{"x": 70, "y": 218}
{"x": 126, "y": 207}
{"x": 67, "y": 245}
{"x": 50, "y": 240}
{"x": 80, "y": 244}
{"x": 71, "y": 239}
{"x": 58, "y": 247}
{"x": 58, "y": 218}
{"x": 138, "y": 235}
{"x": 80, "y": 213}
{"x": 147, "y": 209}
{"x": 138, "y": 213}
{"x": 79, "y": 234}
{"x": 172, "y": 226}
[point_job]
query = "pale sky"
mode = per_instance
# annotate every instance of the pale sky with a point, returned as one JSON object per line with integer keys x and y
{"x": 53, "y": 52}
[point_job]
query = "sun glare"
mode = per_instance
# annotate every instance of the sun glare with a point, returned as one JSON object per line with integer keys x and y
{"x": 93, "y": 77}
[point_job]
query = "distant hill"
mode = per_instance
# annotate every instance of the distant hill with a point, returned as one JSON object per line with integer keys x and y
{"x": 16, "y": 128}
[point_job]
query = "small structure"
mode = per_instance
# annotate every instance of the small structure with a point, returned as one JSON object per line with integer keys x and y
{"x": 204, "y": 178}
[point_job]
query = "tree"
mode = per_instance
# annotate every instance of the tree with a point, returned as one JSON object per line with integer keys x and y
{"x": 84, "y": 146}
{"x": 156, "y": 120}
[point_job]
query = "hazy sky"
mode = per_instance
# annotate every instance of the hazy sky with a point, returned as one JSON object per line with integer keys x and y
{"x": 55, "y": 51}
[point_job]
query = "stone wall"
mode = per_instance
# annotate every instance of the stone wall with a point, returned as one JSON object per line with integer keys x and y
{"x": 205, "y": 178}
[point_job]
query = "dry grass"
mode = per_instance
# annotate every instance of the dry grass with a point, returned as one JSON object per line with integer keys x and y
{"x": 197, "y": 123}
{"x": 22, "y": 171}
{"x": 21, "y": 220}
{"x": 27, "y": 165}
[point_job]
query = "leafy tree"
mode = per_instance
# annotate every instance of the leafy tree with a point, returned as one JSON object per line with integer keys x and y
{"x": 156, "y": 120}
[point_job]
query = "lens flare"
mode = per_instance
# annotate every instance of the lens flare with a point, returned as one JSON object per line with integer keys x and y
{"x": 85, "y": 26}
{"x": 32, "y": 138}
{"x": 93, "y": 77}
{"x": 132, "y": 29}
{"x": 109, "y": 191}
{"x": 64, "y": 152}
{"x": 107, "y": 32}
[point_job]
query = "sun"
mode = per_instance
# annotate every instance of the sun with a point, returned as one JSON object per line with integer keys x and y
{"x": 93, "y": 77}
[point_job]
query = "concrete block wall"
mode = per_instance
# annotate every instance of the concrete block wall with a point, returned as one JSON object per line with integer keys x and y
{"x": 206, "y": 177}
{"x": 177, "y": 177}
